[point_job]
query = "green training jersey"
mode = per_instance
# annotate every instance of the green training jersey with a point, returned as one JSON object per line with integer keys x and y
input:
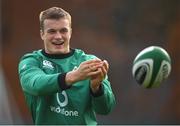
{"x": 50, "y": 100}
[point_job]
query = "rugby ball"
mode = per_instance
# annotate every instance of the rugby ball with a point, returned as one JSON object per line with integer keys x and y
{"x": 151, "y": 66}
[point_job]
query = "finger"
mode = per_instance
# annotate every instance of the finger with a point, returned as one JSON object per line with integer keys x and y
{"x": 94, "y": 73}
{"x": 93, "y": 61}
{"x": 106, "y": 65}
{"x": 104, "y": 73}
{"x": 90, "y": 68}
{"x": 94, "y": 66}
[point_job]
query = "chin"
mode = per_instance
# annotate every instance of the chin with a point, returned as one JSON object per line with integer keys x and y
{"x": 61, "y": 51}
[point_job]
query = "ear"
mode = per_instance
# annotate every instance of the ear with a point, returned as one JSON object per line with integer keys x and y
{"x": 42, "y": 34}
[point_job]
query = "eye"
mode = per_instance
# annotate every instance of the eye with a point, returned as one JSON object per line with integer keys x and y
{"x": 64, "y": 30}
{"x": 51, "y": 31}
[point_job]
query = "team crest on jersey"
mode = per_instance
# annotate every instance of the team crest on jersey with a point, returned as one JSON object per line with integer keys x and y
{"x": 48, "y": 64}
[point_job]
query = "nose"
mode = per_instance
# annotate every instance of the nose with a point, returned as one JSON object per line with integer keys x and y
{"x": 58, "y": 35}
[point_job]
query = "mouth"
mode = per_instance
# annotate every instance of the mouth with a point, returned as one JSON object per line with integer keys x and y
{"x": 57, "y": 43}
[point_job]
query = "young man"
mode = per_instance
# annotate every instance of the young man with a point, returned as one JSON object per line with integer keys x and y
{"x": 63, "y": 85}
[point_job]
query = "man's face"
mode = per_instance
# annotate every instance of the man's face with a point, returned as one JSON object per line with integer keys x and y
{"x": 56, "y": 36}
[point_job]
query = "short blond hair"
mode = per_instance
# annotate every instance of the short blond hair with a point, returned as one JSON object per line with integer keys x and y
{"x": 53, "y": 13}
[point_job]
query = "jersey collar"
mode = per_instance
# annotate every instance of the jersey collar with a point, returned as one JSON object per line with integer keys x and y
{"x": 58, "y": 56}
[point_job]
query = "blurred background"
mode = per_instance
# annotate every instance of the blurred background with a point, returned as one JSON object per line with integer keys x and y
{"x": 115, "y": 30}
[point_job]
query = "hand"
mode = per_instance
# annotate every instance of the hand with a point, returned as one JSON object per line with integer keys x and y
{"x": 85, "y": 70}
{"x": 98, "y": 78}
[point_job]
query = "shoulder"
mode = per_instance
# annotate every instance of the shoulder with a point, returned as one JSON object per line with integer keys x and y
{"x": 34, "y": 54}
{"x": 31, "y": 56}
{"x": 29, "y": 60}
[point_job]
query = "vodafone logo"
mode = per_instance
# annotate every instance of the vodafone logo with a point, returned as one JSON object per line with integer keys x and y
{"x": 62, "y": 100}
{"x": 65, "y": 101}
